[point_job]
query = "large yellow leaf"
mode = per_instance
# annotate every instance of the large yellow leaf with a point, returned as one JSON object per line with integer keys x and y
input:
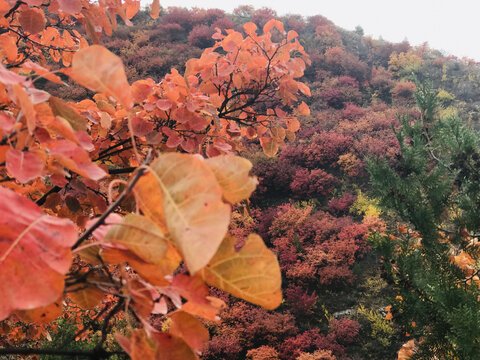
{"x": 140, "y": 235}
{"x": 232, "y": 175}
{"x": 183, "y": 193}
{"x": 252, "y": 274}
{"x": 102, "y": 71}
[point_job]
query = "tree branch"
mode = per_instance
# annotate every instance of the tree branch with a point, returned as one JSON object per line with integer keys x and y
{"x": 112, "y": 207}
{"x": 93, "y": 354}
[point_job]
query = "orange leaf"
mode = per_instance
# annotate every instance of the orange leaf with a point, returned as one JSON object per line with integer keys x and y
{"x": 131, "y": 8}
{"x": 292, "y": 34}
{"x": 141, "y": 89}
{"x": 303, "y": 109}
{"x": 159, "y": 346}
{"x": 155, "y": 9}
{"x": 32, "y": 20}
{"x": 87, "y": 298}
{"x": 4, "y": 7}
{"x": 304, "y": 89}
{"x": 102, "y": 71}
{"x": 153, "y": 273}
{"x": 207, "y": 310}
{"x": 407, "y": 350}
{"x": 9, "y": 47}
{"x": 252, "y": 273}
{"x": 190, "y": 329}
{"x": 193, "y": 289}
{"x": 27, "y": 107}
{"x": 42, "y": 315}
{"x": 269, "y": 146}
{"x": 35, "y": 249}
{"x": 292, "y": 123}
{"x": 271, "y": 24}
{"x": 182, "y": 194}
{"x": 232, "y": 175}
{"x": 63, "y": 109}
{"x": 24, "y": 165}
{"x": 250, "y": 28}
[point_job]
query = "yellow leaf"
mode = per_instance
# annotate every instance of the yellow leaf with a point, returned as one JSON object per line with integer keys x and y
{"x": 232, "y": 175}
{"x": 252, "y": 274}
{"x": 100, "y": 70}
{"x": 182, "y": 193}
{"x": 141, "y": 236}
{"x": 269, "y": 146}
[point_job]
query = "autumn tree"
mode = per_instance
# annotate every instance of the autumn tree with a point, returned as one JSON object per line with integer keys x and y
{"x": 72, "y": 216}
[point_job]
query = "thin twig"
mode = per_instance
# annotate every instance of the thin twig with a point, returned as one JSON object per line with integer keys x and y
{"x": 112, "y": 207}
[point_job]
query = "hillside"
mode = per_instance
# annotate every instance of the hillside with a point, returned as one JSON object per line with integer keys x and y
{"x": 383, "y": 157}
{"x": 312, "y": 204}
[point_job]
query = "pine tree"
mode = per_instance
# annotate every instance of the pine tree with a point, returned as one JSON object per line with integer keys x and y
{"x": 432, "y": 260}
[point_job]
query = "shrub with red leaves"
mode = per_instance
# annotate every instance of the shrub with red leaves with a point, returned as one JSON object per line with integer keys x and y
{"x": 312, "y": 184}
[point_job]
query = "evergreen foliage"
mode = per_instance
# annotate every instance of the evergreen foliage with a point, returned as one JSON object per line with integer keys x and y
{"x": 434, "y": 188}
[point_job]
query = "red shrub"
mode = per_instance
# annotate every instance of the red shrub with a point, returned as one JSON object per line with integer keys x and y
{"x": 262, "y": 353}
{"x": 201, "y": 36}
{"x": 341, "y": 205}
{"x": 300, "y": 301}
{"x": 325, "y": 149}
{"x": 352, "y": 112}
{"x": 314, "y": 183}
{"x": 345, "y": 330}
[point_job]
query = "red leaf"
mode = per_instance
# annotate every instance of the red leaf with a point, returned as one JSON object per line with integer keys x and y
{"x": 32, "y": 20}
{"x": 7, "y": 121}
{"x": 164, "y": 104}
{"x": 35, "y": 249}
{"x": 141, "y": 127}
{"x": 24, "y": 165}
{"x": 9, "y": 77}
{"x": 70, "y": 6}
{"x": 76, "y": 159}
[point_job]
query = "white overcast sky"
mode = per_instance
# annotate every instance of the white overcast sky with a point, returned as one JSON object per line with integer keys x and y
{"x": 449, "y": 25}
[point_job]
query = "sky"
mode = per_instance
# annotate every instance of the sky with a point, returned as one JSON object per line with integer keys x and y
{"x": 450, "y": 26}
